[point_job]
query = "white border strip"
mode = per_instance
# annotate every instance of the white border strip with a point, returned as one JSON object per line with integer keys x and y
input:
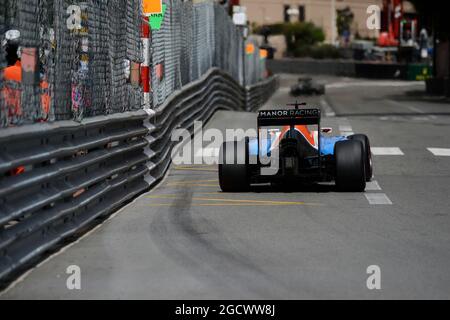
{"x": 382, "y": 151}
{"x": 373, "y": 186}
{"x": 440, "y": 152}
{"x": 378, "y": 199}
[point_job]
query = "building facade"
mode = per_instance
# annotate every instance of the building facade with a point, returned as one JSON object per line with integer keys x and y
{"x": 321, "y": 12}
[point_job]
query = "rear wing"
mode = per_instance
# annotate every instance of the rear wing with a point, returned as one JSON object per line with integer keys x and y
{"x": 288, "y": 117}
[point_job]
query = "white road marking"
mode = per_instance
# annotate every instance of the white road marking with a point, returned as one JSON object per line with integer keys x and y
{"x": 373, "y": 84}
{"x": 440, "y": 152}
{"x": 347, "y": 133}
{"x": 372, "y": 186}
{"x": 378, "y": 198}
{"x": 380, "y": 151}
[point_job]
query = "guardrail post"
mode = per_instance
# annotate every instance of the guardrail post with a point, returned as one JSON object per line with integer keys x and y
{"x": 145, "y": 66}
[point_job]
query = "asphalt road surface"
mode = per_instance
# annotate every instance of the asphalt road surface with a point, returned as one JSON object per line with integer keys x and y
{"x": 188, "y": 240}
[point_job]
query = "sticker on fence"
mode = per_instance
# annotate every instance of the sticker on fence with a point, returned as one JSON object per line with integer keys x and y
{"x": 150, "y": 7}
{"x": 156, "y": 19}
{"x": 250, "y": 48}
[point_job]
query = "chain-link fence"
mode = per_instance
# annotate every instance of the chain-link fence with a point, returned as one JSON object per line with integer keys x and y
{"x": 71, "y": 60}
{"x": 193, "y": 38}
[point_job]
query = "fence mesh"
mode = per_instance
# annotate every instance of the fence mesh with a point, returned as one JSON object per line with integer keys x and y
{"x": 76, "y": 57}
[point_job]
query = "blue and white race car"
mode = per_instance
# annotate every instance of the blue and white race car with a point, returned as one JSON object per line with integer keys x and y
{"x": 292, "y": 147}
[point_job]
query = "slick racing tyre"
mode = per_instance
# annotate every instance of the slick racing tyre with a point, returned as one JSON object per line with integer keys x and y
{"x": 368, "y": 154}
{"x": 350, "y": 172}
{"x": 233, "y": 166}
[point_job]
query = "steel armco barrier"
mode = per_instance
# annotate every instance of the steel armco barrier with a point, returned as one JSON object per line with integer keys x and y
{"x": 75, "y": 173}
{"x": 259, "y": 93}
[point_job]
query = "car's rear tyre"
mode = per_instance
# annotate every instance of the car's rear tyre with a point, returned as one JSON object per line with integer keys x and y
{"x": 233, "y": 166}
{"x": 367, "y": 152}
{"x": 350, "y": 171}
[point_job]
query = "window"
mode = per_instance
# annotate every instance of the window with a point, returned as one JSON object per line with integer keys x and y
{"x": 301, "y": 13}
{"x": 286, "y": 14}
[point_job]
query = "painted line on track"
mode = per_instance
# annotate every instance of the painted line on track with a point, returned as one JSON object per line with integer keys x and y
{"x": 387, "y": 151}
{"x": 192, "y": 185}
{"x": 440, "y": 152}
{"x": 373, "y": 186}
{"x": 378, "y": 199}
{"x": 396, "y": 83}
{"x": 236, "y": 201}
{"x": 218, "y": 204}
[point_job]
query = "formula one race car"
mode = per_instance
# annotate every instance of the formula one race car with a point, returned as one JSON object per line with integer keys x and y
{"x": 307, "y": 86}
{"x": 291, "y": 147}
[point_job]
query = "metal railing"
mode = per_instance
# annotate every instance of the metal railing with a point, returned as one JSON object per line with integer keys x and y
{"x": 73, "y": 174}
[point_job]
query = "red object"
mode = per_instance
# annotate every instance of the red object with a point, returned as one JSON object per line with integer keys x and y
{"x": 13, "y": 73}
{"x": 392, "y": 17}
{"x": 145, "y": 66}
{"x": 145, "y": 78}
{"x": 145, "y": 28}
{"x": 397, "y": 17}
{"x": 12, "y": 96}
{"x": 17, "y": 171}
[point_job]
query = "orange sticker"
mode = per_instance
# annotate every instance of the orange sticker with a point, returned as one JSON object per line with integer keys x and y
{"x": 263, "y": 53}
{"x": 249, "y": 48}
{"x": 151, "y": 7}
